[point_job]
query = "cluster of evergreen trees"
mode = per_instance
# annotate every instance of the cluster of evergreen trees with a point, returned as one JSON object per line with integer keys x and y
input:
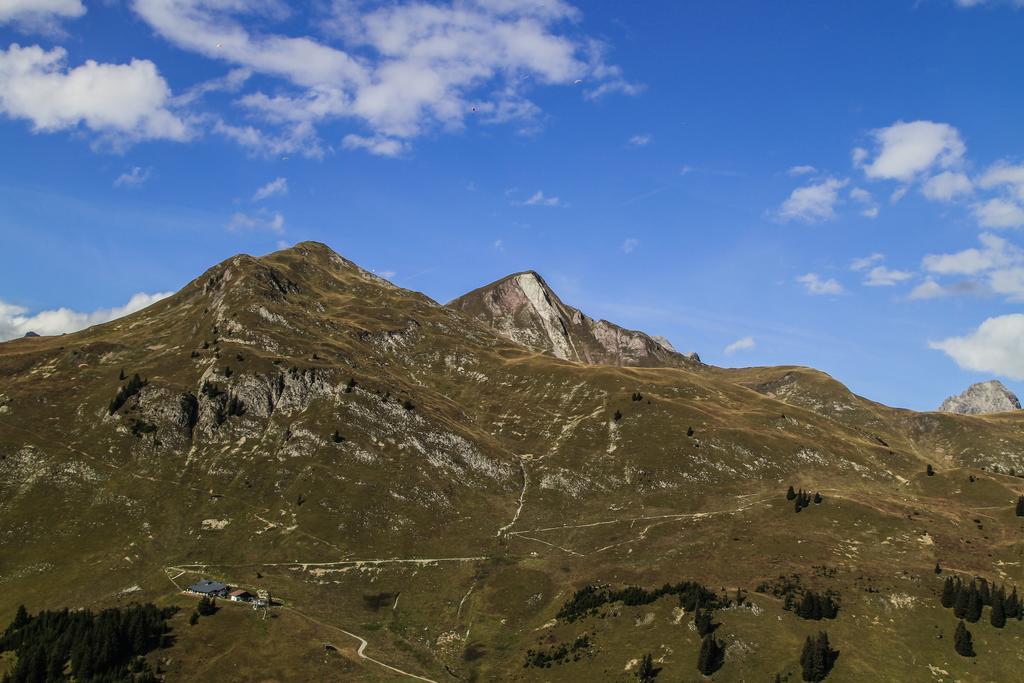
{"x": 817, "y": 658}
{"x": 87, "y": 646}
{"x": 588, "y": 599}
{"x": 813, "y": 605}
{"x": 802, "y": 498}
{"x": 133, "y": 387}
{"x": 967, "y": 600}
{"x": 543, "y": 659}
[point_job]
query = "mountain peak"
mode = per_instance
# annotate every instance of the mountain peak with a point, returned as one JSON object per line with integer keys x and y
{"x": 982, "y": 398}
{"x": 523, "y": 308}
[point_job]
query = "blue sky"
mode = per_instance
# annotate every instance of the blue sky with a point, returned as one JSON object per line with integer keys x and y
{"x": 839, "y": 185}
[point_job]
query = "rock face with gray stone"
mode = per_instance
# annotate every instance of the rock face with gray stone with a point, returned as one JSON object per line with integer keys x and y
{"x": 523, "y": 308}
{"x": 981, "y": 399}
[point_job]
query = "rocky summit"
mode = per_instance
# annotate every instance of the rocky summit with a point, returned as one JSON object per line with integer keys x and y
{"x": 500, "y": 489}
{"x": 523, "y": 308}
{"x": 982, "y": 398}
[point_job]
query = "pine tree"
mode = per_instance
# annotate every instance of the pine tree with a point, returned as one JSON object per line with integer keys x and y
{"x": 984, "y": 594}
{"x": 960, "y": 603}
{"x": 930, "y": 471}
{"x": 790, "y": 494}
{"x": 1020, "y": 506}
{"x": 646, "y": 673}
{"x": 711, "y": 656}
{"x": 817, "y": 498}
{"x": 998, "y": 615}
{"x": 938, "y": 568}
{"x": 962, "y": 641}
{"x": 193, "y": 618}
{"x": 948, "y": 592}
{"x": 817, "y": 657}
{"x": 974, "y": 604}
{"x": 702, "y": 619}
{"x": 1013, "y": 604}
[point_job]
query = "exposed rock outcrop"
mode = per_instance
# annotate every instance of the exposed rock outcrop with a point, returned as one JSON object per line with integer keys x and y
{"x": 523, "y": 308}
{"x": 982, "y": 398}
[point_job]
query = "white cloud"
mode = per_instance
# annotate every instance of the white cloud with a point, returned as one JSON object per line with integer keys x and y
{"x": 1005, "y": 175}
{"x": 121, "y": 102}
{"x": 898, "y": 194}
{"x": 996, "y": 252}
{"x": 16, "y": 321}
{"x": 137, "y": 177}
{"x": 401, "y": 69}
{"x": 812, "y": 203}
{"x": 979, "y": 3}
{"x": 905, "y": 150}
{"x": 999, "y": 213}
{"x": 863, "y": 197}
{"x": 641, "y": 140}
{"x": 929, "y": 289}
{"x": 538, "y": 198}
{"x": 947, "y": 186}
{"x": 745, "y": 344}
{"x": 278, "y": 186}
{"x": 997, "y": 346}
{"x": 865, "y": 262}
{"x": 630, "y": 244}
{"x": 379, "y": 145}
{"x": 880, "y": 276}
{"x": 41, "y": 15}
{"x": 801, "y": 170}
{"x": 499, "y": 245}
{"x": 814, "y": 284}
{"x": 1008, "y": 282}
{"x": 274, "y": 222}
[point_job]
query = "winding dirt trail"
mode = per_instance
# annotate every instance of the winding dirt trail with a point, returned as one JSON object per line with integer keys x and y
{"x": 363, "y": 644}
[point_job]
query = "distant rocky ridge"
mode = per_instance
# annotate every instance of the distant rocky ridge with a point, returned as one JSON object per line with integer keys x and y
{"x": 982, "y": 398}
{"x": 31, "y": 334}
{"x": 523, "y": 308}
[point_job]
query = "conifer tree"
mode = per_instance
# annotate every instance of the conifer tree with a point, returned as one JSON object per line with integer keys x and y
{"x": 948, "y": 592}
{"x": 974, "y": 604}
{"x": 962, "y": 641}
{"x": 646, "y": 673}
{"x": 960, "y": 603}
{"x": 790, "y": 494}
{"x": 1020, "y": 506}
{"x": 998, "y": 615}
{"x": 702, "y": 619}
{"x": 930, "y": 471}
{"x": 1013, "y": 605}
{"x": 817, "y": 498}
{"x": 984, "y": 594}
{"x": 938, "y": 568}
{"x": 817, "y": 658}
{"x": 711, "y": 656}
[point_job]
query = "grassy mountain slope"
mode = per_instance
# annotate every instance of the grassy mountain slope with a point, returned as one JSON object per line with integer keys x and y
{"x": 394, "y": 469}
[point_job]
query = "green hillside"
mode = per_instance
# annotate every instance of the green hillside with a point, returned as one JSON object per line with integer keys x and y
{"x": 391, "y": 469}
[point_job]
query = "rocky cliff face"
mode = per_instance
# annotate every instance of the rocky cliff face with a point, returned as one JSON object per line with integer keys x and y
{"x": 981, "y": 399}
{"x": 523, "y": 308}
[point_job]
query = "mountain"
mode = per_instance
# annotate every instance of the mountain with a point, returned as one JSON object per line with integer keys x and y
{"x": 523, "y": 308}
{"x": 426, "y": 497}
{"x": 30, "y": 333}
{"x": 982, "y": 398}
